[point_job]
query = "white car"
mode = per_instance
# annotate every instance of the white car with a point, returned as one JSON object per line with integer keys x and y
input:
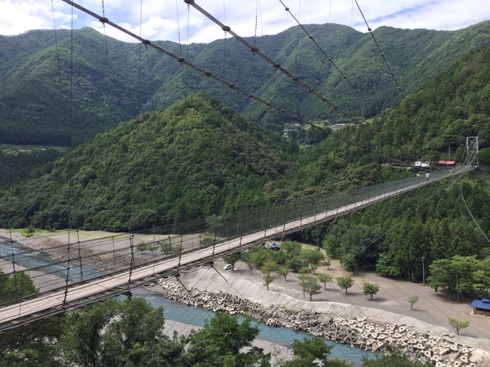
{"x": 228, "y": 267}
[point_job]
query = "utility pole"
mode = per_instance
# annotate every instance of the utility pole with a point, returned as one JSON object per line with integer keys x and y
{"x": 423, "y": 270}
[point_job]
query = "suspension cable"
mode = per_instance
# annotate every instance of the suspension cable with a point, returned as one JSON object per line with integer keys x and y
{"x": 277, "y": 66}
{"x": 224, "y": 82}
{"x": 381, "y": 53}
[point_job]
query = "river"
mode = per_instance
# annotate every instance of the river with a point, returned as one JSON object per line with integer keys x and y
{"x": 175, "y": 311}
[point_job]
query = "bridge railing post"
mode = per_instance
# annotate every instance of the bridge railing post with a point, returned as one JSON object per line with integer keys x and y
{"x": 80, "y": 256}
{"x": 131, "y": 263}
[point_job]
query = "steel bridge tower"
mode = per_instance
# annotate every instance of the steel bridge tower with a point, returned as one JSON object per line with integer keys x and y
{"x": 472, "y": 150}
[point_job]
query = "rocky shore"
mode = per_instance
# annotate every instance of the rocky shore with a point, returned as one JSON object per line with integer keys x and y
{"x": 356, "y": 332}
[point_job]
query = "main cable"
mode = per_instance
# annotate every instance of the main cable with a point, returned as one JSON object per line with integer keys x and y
{"x": 233, "y": 86}
{"x": 390, "y": 71}
{"x": 278, "y": 66}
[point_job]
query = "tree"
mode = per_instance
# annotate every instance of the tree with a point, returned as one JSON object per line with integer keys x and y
{"x": 312, "y": 257}
{"x": 458, "y": 324}
{"x": 135, "y": 328}
{"x": 481, "y": 277}
{"x": 33, "y": 344}
{"x": 176, "y": 250}
{"x": 362, "y": 242}
{"x": 440, "y": 277}
{"x": 292, "y": 248}
{"x": 269, "y": 267}
{"x": 142, "y": 246}
{"x": 112, "y": 333}
{"x": 313, "y": 268}
{"x": 223, "y": 341}
{"x": 233, "y": 259}
{"x": 348, "y": 262}
{"x": 327, "y": 262}
{"x": 385, "y": 266}
{"x": 302, "y": 282}
{"x": 312, "y": 352}
{"x": 310, "y": 285}
{"x": 454, "y": 276}
{"x": 166, "y": 248}
{"x": 370, "y": 289}
{"x": 284, "y": 271}
{"x": 15, "y": 286}
{"x": 268, "y": 279}
{"x": 259, "y": 256}
{"x": 81, "y": 342}
{"x": 413, "y": 300}
{"x": 345, "y": 282}
{"x": 153, "y": 248}
{"x": 246, "y": 259}
{"x": 324, "y": 278}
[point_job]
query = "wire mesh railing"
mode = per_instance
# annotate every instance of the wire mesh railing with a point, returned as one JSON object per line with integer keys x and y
{"x": 84, "y": 261}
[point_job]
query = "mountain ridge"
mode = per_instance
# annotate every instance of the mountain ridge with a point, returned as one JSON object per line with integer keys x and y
{"x": 44, "y": 101}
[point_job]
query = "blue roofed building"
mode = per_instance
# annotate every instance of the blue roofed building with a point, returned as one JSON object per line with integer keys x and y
{"x": 481, "y": 307}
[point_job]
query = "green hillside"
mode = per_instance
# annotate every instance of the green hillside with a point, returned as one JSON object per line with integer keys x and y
{"x": 189, "y": 161}
{"x": 199, "y": 158}
{"x": 443, "y": 220}
{"x": 45, "y": 99}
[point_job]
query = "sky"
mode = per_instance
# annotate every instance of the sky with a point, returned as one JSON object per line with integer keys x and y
{"x": 173, "y": 20}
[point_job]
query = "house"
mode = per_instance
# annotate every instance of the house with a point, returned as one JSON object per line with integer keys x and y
{"x": 420, "y": 164}
{"x": 481, "y": 307}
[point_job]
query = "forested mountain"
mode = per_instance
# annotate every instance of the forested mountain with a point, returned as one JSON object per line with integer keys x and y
{"x": 45, "y": 99}
{"x": 18, "y": 167}
{"x": 199, "y": 158}
{"x": 442, "y": 221}
{"x": 186, "y": 162}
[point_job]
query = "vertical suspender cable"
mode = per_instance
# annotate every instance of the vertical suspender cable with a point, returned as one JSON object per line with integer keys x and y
{"x": 80, "y": 255}
{"x": 69, "y": 166}
{"x": 13, "y": 262}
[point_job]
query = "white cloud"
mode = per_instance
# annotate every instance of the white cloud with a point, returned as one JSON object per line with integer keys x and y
{"x": 20, "y": 16}
{"x": 160, "y": 20}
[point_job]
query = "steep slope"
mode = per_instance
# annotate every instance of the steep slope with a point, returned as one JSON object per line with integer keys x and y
{"x": 46, "y": 99}
{"x": 438, "y": 118}
{"x": 445, "y": 219}
{"x": 186, "y": 162}
{"x": 199, "y": 158}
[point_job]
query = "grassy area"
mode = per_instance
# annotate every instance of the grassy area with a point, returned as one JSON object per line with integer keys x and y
{"x": 30, "y": 231}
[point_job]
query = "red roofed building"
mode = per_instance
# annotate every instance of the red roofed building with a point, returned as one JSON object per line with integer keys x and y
{"x": 446, "y": 163}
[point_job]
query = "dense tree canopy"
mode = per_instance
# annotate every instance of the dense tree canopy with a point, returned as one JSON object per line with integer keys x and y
{"x": 109, "y": 82}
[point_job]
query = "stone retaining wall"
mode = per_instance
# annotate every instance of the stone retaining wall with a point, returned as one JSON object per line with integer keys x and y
{"x": 357, "y": 332}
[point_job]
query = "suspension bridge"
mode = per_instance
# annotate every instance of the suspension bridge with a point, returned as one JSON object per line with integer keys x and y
{"x": 123, "y": 268}
{"x": 87, "y": 275}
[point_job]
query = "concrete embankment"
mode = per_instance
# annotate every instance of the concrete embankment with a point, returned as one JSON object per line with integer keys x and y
{"x": 357, "y": 331}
